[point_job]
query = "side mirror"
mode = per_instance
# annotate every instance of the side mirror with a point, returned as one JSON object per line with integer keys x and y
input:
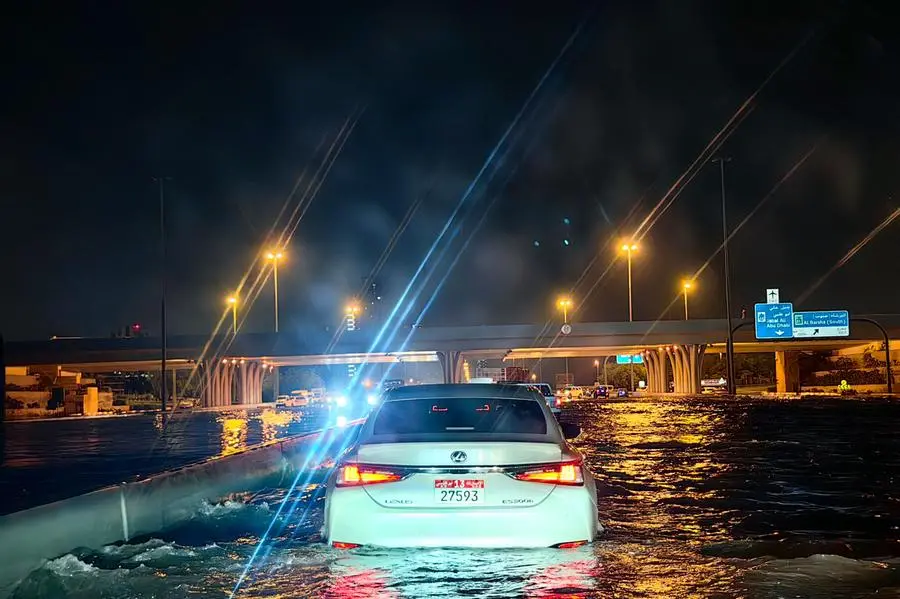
{"x": 570, "y": 430}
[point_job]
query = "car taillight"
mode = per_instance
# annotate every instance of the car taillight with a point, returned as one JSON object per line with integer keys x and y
{"x": 341, "y": 545}
{"x": 355, "y": 475}
{"x": 569, "y": 545}
{"x": 566, "y": 473}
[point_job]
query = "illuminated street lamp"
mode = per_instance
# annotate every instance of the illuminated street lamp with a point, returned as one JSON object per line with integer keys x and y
{"x": 350, "y": 313}
{"x": 629, "y": 248}
{"x": 597, "y": 367}
{"x": 275, "y": 256}
{"x": 686, "y": 286}
{"x": 564, "y": 303}
{"x": 232, "y": 301}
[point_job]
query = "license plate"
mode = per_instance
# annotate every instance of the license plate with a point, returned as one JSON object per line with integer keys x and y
{"x": 459, "y": 491}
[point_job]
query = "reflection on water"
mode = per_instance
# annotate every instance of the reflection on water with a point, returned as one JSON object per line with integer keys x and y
{"x": 274, "y": 425}
{"x": 80, "y": 455}
{"x": 456, "y": 572}
{"x": 701, "y": 497}
{"x": 274, "y": 422}
{"x": 234, "y": 435}
{"x": 665, "y": 456}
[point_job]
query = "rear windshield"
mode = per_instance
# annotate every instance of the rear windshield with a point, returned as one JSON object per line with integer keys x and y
{"x": 460, "y": 415}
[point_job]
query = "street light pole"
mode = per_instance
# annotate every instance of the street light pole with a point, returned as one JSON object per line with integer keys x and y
{"x": 163, "y": 332}
{"x": 628, "y": 248}
{"x": 729, "y": 343}
{"x": 630, "y": 307}
{"x": 564, "y": 303}
{"x": 275, "y": 273}
{"x": 232, "y": 300}
{"x": 597, "y": 367}
{"x": 685, "y": 287}
{"x": 275, "y": 257}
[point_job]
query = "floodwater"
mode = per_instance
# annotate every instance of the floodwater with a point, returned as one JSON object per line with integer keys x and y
{"x": 84, "y": 454}
{"x": 701, "y": 498}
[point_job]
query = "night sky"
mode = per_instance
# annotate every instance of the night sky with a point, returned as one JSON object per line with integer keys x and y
{"x": 233, "y": 104}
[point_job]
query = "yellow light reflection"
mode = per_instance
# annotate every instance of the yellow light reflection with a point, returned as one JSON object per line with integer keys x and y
{"x": 665, "y": 459}
{"x": 234, "y": 435}
{"x": 272, "y": 423}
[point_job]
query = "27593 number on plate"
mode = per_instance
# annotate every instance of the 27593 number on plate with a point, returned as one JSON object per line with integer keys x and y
{"x": 459, "y": 491}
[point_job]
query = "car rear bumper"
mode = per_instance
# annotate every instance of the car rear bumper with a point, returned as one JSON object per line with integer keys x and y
{"x": 568, "y": 514}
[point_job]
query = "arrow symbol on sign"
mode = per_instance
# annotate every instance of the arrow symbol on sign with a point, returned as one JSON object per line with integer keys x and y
{"x": 816, "y": 332}
{"x": 779, "y": 333}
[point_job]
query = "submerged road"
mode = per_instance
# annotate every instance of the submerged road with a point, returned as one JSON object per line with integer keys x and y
{"x": 83, "y": 454}
{"x": 701, "y": 497}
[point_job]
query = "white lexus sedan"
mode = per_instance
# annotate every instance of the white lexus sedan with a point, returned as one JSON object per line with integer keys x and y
{"x": 469, "y": 465}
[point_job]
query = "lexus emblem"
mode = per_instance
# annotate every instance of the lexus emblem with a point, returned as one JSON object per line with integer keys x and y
{"x": 458, "y": 457}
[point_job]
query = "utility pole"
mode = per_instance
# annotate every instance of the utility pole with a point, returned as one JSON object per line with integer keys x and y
{"x": 163, "y": 382}
{"x": 3, "y": 379}
{"x": 729, "y": 343}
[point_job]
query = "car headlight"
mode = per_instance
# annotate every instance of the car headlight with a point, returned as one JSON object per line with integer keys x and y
{"x": 342, "y": 421}
{"x": 341, "y": 401}
{"x": 371, "y": 400}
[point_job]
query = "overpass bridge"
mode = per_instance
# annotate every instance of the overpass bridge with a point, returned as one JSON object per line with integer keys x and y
{"x": 669, "y": 346}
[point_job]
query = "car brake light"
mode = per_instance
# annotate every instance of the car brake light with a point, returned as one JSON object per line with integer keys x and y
{"x": 355, "y": 475}
{"x": 566, "y": 473}
{"x": 340, "y": 545}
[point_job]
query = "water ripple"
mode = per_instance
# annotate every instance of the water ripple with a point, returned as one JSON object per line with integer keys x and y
{"x": 702, "y": 498}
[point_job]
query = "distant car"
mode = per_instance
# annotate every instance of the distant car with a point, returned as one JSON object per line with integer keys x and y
{"x": 622, "y": 392}
{"x": 470, "y": 465}
{"x": 344, "y": 407}
{"x": 601, "y": 392}
{"x": 547, "y": 392}
{"x": 574, "y": 392}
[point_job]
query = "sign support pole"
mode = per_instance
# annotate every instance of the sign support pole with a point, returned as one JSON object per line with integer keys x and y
{"x": 729, "y": 342}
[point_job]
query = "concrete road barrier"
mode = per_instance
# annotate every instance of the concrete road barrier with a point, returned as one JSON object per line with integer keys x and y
{"x": 30, "y": 537}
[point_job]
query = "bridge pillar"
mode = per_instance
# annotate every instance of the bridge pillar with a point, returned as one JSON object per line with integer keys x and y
{"x": 260, "y": 374}
{"x": 250, "y": 375}
{"x": 656, "y": 371}
{"x": 451, "y": 366}
{"x": 659, "y": 361}
{"x": 219, "y": 382}
{"x": 695, "y": 365}
{"x": 651, "y": 371}
{"x": 686, "y": 361}
{"x": 458, "y": 367}
{"x": 671, "y": 361}
{"x": 787, "y": 372}
{"x": 228, "y": 380}
{"x": 276, "y": 380}
{"x": 681, "y": 382}
{"x": 245, "y": 382}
